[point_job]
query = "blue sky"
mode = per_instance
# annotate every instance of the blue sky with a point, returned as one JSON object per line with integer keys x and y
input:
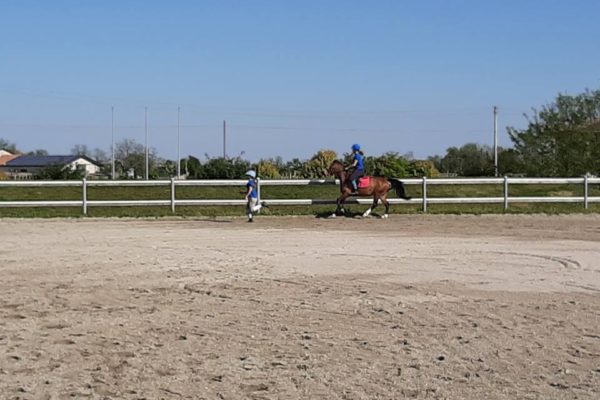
{"x": 290, "y": 77}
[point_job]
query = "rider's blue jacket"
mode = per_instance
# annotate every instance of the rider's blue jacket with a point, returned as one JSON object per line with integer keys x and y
{"x": 360, "y": 161}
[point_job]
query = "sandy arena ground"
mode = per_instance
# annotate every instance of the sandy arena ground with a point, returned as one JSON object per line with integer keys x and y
{"x": 427, "y": 307}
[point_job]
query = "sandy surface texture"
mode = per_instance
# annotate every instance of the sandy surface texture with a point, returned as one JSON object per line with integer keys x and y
{"x": 426, "y": 307}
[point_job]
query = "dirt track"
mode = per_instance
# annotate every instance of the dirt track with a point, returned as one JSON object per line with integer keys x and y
{"x": 437, "y": 307}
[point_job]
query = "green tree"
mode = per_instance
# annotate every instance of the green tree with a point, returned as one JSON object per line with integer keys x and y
{"x": 421, "y": 168}
{"x": 390, "y": 164}
{"x": 436, "y": 160}
{"x": 130, "y": 155}
{"x": 165, "y": 169}
{"x": 292, "y": 169}
{"x": 269, "y": 169}
{"x": 60, "y": 172}
{"x": 224, "y": 168}
{"x": 469, "y": 160}
{"x": 192, "y": 167}
{"x": 510, "y": 162}
{"x": 561, "y": 139}
{"x": 318, "y": 164}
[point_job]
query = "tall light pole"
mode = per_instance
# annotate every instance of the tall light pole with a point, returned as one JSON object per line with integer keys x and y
{"x": 495, "y": 141}
{"x": 112, "y": 141}
{"x": 178, "y": 143}
{"x": 224, "y": 139}
{"x": 146, "y": 139}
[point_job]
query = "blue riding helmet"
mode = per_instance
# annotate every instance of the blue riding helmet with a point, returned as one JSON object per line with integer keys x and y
{"x": 356, "y": 147}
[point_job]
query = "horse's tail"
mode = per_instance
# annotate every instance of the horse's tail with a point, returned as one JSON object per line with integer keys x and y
{"x": 398, "y": 186}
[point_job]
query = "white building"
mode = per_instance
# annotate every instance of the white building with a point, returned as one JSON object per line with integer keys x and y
{"x": 26, "y": 166}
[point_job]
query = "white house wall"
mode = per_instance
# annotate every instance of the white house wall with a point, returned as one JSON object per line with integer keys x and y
{"x": 90, "y": 168}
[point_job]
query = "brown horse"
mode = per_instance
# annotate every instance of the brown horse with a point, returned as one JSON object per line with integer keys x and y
{"x": 378, "y": 188}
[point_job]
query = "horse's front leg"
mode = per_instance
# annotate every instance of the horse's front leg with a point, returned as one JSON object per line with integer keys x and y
{"x": 341, "y": 202}
{"x": 340, "y": 206}
{"x": 337, "y": 209}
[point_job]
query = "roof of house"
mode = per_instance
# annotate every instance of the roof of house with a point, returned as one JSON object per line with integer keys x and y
{"x": 6, "y": 158}
{"x": 45, "y": 161}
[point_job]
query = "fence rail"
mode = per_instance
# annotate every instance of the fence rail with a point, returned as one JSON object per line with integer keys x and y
{"x": 424, "y": 200}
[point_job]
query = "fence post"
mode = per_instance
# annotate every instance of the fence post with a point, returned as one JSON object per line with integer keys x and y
{"x": 173, "y": 195}
{"x": 84, "y": 203}
{"x": 258, "y": 190}
{"x": 424, "y": 194}
{"x": 505, "y": 192}
{"x": 585, "y": 191}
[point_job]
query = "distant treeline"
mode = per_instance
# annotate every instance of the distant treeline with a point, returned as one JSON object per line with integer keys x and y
{"x": 562, "y": 139}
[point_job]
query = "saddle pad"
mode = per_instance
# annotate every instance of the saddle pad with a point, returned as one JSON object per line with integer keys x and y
{"x": 364, "y": 182}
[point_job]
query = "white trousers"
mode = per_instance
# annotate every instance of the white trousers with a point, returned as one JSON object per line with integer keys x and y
{"x": 252, "y": 206}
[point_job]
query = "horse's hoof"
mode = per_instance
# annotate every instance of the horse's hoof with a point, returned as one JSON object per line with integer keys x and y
{"x": 384, "y": 216}
{"x": 333, "y": 215}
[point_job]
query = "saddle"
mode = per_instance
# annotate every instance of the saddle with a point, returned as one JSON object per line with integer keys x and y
{"x": 364, "y": 181}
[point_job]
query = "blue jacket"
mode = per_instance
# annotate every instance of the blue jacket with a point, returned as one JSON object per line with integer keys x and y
{"x": 360, "y": 161}
{"x": 252, "y": 184}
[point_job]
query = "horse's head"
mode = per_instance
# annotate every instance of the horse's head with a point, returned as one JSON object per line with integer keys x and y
{"x": 336, "y": 168}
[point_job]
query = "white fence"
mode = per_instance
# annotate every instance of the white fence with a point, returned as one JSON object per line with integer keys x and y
{"x": 424, "y": 200}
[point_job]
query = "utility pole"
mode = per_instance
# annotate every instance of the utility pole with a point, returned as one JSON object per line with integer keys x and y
{"x": 146, "y": 140}
{"x": 224, "y": 139}
{"x": 112, "y": 141}
{"x": 495, "y": 141}
{"x": 178, "y": 144}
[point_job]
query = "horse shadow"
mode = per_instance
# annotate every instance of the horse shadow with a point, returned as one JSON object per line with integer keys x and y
{"x": 347, "y": 214}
